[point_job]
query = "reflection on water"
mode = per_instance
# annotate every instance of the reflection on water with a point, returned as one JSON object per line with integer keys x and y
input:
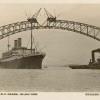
{"x": 51, "y": 79}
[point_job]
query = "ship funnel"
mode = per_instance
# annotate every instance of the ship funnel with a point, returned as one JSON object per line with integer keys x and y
{"x": 19, "y": 42}
{"x": 15, "y": 43}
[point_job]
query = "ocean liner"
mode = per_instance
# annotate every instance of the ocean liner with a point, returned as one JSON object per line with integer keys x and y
{"x": 20, "y": 57}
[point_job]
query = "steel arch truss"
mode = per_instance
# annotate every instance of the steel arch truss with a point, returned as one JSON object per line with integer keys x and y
{"x": 85, "y": 29}
{"x": 13, "y": 28}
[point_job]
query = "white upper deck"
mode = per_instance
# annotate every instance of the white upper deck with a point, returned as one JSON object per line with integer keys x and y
{"x": 18, "y": 52}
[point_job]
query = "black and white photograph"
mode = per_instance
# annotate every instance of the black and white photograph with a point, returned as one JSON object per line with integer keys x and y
{"x": 49, "y": 47}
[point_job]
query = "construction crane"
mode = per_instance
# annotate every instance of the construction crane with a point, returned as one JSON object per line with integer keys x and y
{"x": 50, "y": 17}
{"x": 33, "y": 19}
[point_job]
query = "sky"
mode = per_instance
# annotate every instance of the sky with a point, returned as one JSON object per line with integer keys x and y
{"x": 61, "y": 47}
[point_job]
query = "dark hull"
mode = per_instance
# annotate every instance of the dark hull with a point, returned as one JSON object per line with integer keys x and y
{"x": 29, "y": 62}
{"x": 84, "y": 66}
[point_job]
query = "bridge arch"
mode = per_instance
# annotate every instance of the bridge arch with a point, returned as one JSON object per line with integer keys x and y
{"x": 81, "y": 28}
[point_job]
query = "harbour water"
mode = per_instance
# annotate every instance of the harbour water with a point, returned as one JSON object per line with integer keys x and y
{"x": 50, "y": 79}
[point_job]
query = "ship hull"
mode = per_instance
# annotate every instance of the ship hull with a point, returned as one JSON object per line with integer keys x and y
{"x": 84, "y": 66}
{"x": 29, "y": 62}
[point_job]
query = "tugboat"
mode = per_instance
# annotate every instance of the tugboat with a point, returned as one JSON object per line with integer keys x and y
{"x": 21, "y": 57}
{"x": 93, "y": 64}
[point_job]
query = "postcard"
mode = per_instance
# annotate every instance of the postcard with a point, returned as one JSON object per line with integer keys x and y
{"x": 49, "y": 48}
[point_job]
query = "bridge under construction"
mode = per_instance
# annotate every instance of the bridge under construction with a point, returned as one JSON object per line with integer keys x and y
{"x": 51, "y": 22}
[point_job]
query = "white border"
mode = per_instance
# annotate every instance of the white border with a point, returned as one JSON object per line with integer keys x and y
{"x": 50, "y": 1}
{"x": 52, "y": 95}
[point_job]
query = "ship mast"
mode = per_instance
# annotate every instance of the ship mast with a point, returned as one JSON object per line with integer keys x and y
{"x": 31, "y": 38}
{"x": 32, "y": 20}
{"x": 8, "y": 42}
